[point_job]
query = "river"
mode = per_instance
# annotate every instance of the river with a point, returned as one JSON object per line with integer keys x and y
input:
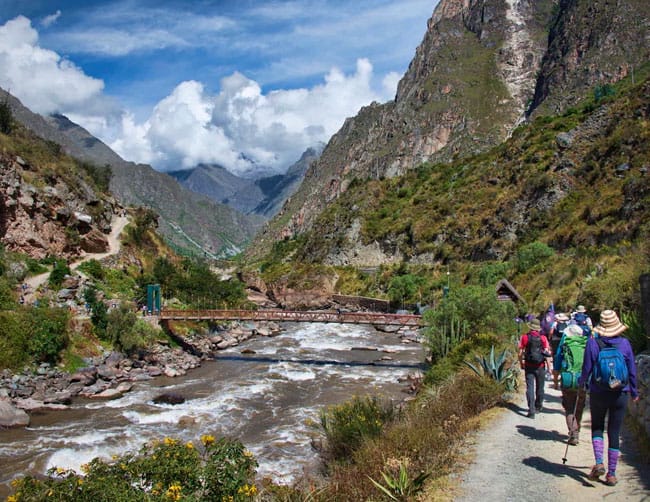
{"x": 265, "y": 397}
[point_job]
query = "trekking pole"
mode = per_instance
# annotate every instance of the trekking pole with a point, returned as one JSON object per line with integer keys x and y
{"x": 575, "y": 408}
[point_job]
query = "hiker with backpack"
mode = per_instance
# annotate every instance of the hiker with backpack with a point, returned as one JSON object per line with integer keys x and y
{"x": 534, "y": 350}
{"x": 580, "y": 316}
{"x": 561, "y": 322}
{"x": 610, "y": 372}
{"x": 568, "y": 361}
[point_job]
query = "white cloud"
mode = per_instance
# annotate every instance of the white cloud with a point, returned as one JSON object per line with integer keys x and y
{"x": 51, "y": 19}
{"x": 41, "y": 78}
{"x": 243, "y": 129}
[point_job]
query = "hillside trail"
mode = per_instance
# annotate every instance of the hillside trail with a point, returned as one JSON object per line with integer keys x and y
{"x": 516, "y": 458}
{"x": 114, "y": 246}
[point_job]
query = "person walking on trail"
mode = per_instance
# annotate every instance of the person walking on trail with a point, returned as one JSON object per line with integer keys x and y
{"x": 610, "y": 371}
{"x": 534, "y": 350}
{"x": 567, "y": 360}
{"x": 580, "y": 316}
{"x": 561, "y": 322}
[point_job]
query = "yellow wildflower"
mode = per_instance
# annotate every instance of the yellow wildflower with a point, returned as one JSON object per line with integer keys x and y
{"x": 85, "y": 468}
{"x": 170, "y": 441}
{"x": 11, "y": 498}
{"x": 207, "y": 439}
{"x": 248, "y": 453}
{"x": 174, "y": 492}
{"x": 189, "y": 445}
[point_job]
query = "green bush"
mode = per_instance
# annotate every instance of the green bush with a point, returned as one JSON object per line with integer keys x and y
{"x": 48, "y": 333}
{"x": 347, "y": 425}
{"x": 93, "y": 268}
{"x": 7, "y": 297}
{"x": 475, "y": 307}
{"x": 532, "y": 255}
{"x": 6, "y": 117}
{"x": 162, "y": 471}
{"x": 59, "y": 271}
{"x": 14, "y": 341}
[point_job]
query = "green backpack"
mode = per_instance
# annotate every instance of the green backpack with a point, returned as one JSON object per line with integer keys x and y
{"x": 573, "y": 351}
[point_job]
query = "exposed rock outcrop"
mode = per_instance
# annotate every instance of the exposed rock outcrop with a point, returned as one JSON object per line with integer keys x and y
{"x": 466, "y": 88}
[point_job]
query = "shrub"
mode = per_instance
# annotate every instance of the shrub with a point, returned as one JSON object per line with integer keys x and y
{"x": 6, "y": 117}
{"x": 348, "y": 424}
{"x": 531, "y": 255}
{"x": 93, "y": 268}
{"x": 164, "y": 470}
{"x": 48, "y": 333}
{"x": 59, "y": 271}
{"x": 477, "y": 307}
{"x": 13, "y": 340}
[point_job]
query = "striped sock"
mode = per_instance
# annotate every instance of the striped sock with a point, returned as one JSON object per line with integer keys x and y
{"x": 599, "y": 448}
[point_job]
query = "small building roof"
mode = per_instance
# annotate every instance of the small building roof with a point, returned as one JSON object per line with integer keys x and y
{"x": 506, "y": 291}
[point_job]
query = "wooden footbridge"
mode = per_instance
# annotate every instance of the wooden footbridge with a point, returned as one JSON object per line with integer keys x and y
{"x": 378, "y": 318}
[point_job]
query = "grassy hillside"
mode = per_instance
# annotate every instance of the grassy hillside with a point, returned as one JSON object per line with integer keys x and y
{"x": 562, "y": 209}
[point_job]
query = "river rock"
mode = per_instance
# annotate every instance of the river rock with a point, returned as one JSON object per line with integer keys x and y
{"x": 124, "y": 387}
{"x": 86, "y": 376}
{"x": 107, "y": 394}
{"x": 169, "y": 398}
{"x": 186, "y": 421}
{"x": 61, "y": 397}
{"x": 387, "y": 328}
{"x": 30, "y": 404}
{"x": 11, "y": 416}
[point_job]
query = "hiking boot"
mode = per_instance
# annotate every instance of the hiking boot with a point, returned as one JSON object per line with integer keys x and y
{"x": 538, "y": 409}
{"x": 596, "y": 471}
{"x": 610, "y": 480}
{"x": 573, "y": 440}
{"x": 530, "y": 414}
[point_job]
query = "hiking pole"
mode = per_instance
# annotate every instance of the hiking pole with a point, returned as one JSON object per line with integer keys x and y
{"x": 575, "y": 408}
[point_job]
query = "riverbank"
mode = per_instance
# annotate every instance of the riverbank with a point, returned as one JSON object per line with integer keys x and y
{"x": 517, "y": 458}
{"x": 112, "y": 374}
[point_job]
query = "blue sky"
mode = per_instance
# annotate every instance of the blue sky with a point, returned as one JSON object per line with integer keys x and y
{"x": 174, "y": 83}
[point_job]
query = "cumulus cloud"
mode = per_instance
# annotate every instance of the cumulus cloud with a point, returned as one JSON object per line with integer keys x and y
{"x": 243, "y": 129}
{"x": 41, "y": 78}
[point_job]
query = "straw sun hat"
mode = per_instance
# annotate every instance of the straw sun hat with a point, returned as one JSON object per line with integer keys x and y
{"x": 609, "y": 325}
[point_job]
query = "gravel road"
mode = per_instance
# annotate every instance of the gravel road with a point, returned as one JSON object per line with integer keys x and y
{"x": 520, "y": 459}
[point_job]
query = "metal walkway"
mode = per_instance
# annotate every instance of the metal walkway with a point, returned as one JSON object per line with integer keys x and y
{"x": 293, "y": 316}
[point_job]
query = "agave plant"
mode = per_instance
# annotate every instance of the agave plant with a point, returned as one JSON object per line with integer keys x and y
{"x": 495, "y": 368}
{"x": 401, "y": 487}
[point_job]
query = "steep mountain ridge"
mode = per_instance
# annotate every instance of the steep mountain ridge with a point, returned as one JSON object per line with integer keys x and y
{"x": 189, "y": 221}
{"x": 262, "y": 196}
{"x": 481, "y": 66}
{"x": 455, "y": 99}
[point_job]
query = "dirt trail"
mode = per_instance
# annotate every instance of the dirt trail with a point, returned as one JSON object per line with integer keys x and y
{"x": 520, "y": 459}
{"x": 117, "y": 225}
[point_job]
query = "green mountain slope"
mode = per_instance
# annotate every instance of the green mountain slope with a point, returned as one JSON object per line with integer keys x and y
{"x": 576, "y": 185}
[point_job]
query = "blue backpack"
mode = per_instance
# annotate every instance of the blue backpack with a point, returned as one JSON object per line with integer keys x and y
{"x": 581, "y": 320}
{"x": 610, "y": 371}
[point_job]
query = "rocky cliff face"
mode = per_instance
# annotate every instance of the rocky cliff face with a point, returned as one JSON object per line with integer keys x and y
{"x": 465, "y": 90}
{"x": 52, "y": 218}
{"x": 591, "y": 43}
{"x": 482, "y": 66}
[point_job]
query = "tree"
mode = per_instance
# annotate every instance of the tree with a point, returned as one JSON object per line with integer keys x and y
{"x": 6, "y": 117}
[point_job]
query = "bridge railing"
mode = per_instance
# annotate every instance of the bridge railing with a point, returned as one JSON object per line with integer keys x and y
{"x": 294, "y": 316}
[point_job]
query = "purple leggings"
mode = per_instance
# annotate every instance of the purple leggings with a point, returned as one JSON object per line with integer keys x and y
{"x": 613, "y": 404}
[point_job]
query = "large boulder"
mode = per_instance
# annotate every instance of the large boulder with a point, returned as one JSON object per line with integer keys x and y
{"x": 10, "y": 416}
